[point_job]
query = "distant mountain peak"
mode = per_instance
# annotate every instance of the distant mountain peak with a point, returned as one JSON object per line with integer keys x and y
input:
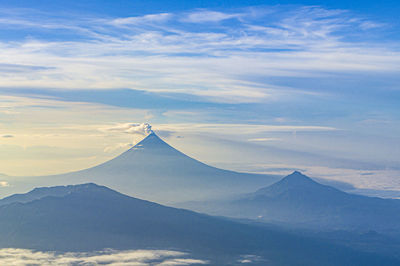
{"x": 296, "y": 181}
{"x": 296, "y": 176}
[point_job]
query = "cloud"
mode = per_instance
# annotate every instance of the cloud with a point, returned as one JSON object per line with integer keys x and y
{"x": 7, "y": 136}
{"x": 209, "y": 16}
{"x": 131, "y": 128}
{"x": 251, "y": 259}
{"x": 15, "y": 68}
{"x": 152, "y": 18}
{"x": 4, "y": 184}
{"x": 182, "y": 262}
{"x": 11, "y": 152}
{"x": 156, "y": 52}
{"x": 118, "y": 146}
{"x": 263, "y": 139}
{"x": 19, "y": 257}
{"x": 239, "y": 129}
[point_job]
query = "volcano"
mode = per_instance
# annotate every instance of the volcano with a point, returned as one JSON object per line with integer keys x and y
{"x": 297, "y": 200}
{"x": 153, "y": 170}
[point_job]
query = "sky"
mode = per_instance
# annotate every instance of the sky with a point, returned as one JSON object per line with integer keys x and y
{"x": 258, "y": 86}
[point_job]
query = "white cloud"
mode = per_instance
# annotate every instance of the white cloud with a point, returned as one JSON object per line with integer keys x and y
{"x": 251, "y": 259}
{"x": 152, "y": 18}
{"x": 132, "y": 128}
{"x": 263, "y": 139}
{"x": 117, "y": 147}
{"x": 181, "y": 262}
{"x": 209, "y": 16}
{"x": 20, "y": 257}
{"x": 4, "y": 184}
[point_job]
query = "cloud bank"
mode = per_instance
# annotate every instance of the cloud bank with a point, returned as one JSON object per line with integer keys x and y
{"x": 21, "y": 257}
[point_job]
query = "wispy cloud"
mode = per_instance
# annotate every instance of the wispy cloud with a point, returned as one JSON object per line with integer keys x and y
{"x": 162, "y": 52}
{"x": 118, "y": 146}
{"x": 238, "y": 129}
{"x": 14, "y": 68}
{"x": 152, "y": 18}
{"x": 204, "y": 16}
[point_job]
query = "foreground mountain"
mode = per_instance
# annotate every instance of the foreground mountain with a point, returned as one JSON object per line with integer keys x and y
{"x": 154, "y": 170}
{"x": 41, "y": 192}
{"x": 299, "y": 201}
{"x": 90, "y": 217}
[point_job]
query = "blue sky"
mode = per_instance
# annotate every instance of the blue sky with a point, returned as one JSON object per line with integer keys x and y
{"x": 311, "y": 85}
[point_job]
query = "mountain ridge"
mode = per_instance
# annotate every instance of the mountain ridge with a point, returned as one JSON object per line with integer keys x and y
{"x": 94, "y": 217}
{"x": 41, "y": 192}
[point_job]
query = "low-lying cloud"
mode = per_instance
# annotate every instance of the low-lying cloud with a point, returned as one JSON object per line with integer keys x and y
{"x": 263, "y": 139}
{"x": 4, "y": 184}
{"x": 17, "y": 257}
{"x": 250, "y": 259}
{"x": 118, "y": 146}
